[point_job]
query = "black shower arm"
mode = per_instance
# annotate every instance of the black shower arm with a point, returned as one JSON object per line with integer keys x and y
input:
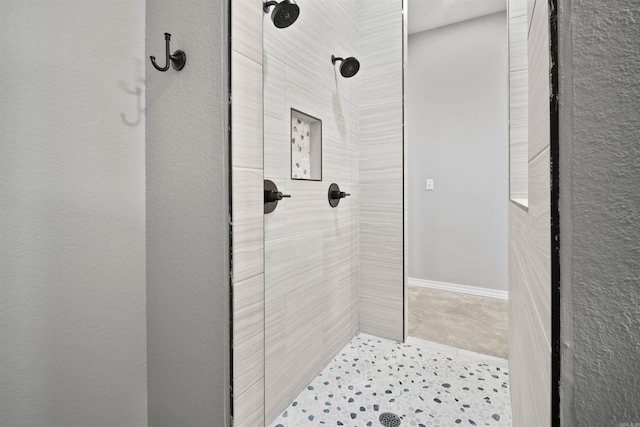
{"x": 268, "y": 4}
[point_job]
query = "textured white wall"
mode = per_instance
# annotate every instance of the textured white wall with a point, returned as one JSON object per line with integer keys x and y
{"x": 381, "y": 119}
{"x": 518, "y": 102}
{"x": 600, "y": 204}
{"x": 247, "y": 209}
{"x": 187, "y": 217}
{"x": 72, "y": 255}
{"x": 457, "y": 115}
{"x": 310, "y": 248}
{"x": 530, "y": 241}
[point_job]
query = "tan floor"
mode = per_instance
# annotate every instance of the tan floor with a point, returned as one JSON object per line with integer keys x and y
{"x": 464, "y": 321}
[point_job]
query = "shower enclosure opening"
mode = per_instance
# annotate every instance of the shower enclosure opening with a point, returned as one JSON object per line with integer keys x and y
{"x": 457, "y": 115}
{"x": 324, "y": 280}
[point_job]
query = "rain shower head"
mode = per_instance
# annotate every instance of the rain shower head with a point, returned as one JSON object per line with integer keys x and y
{"x": 284, "y": 13}
{"x": 349, "y": 66}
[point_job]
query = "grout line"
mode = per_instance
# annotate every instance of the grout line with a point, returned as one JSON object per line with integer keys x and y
{"x": 536, "y": 156}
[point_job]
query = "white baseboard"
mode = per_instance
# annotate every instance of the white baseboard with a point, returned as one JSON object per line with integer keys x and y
{"x": 463, "y": 289}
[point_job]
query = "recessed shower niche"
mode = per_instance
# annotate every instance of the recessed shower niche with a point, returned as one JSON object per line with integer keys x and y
{"x": 306, "y": 146}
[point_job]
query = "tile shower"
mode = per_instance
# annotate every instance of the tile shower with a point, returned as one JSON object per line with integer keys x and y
{"x": 307, "y": 277}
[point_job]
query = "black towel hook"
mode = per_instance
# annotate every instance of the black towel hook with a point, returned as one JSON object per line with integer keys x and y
{"x": 178, "y": 59}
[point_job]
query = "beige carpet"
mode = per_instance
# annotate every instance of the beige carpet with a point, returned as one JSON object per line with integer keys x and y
{"x": 464, "y": 321}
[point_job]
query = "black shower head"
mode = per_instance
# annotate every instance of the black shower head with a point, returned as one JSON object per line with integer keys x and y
{"x": 349, "y": 66}
{"x": 284, "y": 13}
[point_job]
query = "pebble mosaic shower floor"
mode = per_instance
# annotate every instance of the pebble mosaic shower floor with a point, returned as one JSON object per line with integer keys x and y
{"x": 424, "y": 387}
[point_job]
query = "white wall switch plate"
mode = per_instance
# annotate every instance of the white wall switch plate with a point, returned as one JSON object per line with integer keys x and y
{"x": 429, "y": 184}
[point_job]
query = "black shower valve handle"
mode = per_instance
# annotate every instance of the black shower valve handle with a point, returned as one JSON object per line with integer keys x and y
{"x": 272, "y": 196}
{"x": 334, "y": 195}
{"x": 339, "y": 194}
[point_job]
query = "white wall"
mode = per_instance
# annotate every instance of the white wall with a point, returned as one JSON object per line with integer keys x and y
{"x": 310, "y": 248}
{"x": 187, "y": 217}
{"x": 457, "y": 118}
{"x": 530, "y": 241}
{"x": 247, "y": 209}
{"x": 518, "y": 104}
{"x": 381, "y": 164}
{"x": 72, "y": 254}
{"x": 599, "y": 212}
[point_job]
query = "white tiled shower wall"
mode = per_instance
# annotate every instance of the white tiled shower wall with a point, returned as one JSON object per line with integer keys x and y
{"x": 382, "y": 250}
{"x": 530, "y": 238}
{"x": 311, "y": 249}
{"x": 320, "y": 274}
{"x": 247, "y": 222}
{"x": 518, "y": 101}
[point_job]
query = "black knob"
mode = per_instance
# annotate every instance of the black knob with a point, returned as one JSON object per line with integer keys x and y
{"x": 271, "y": 196}
{"x": 338, "y": 195}
{"x": 335, "y": 195}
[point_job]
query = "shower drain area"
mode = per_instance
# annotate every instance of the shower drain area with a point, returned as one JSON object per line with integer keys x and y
{"x": 375, "y": 382}
{"x": 389, "y": 419}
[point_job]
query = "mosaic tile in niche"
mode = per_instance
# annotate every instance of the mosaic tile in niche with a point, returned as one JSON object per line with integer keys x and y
{"x": 301, "y": 152}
